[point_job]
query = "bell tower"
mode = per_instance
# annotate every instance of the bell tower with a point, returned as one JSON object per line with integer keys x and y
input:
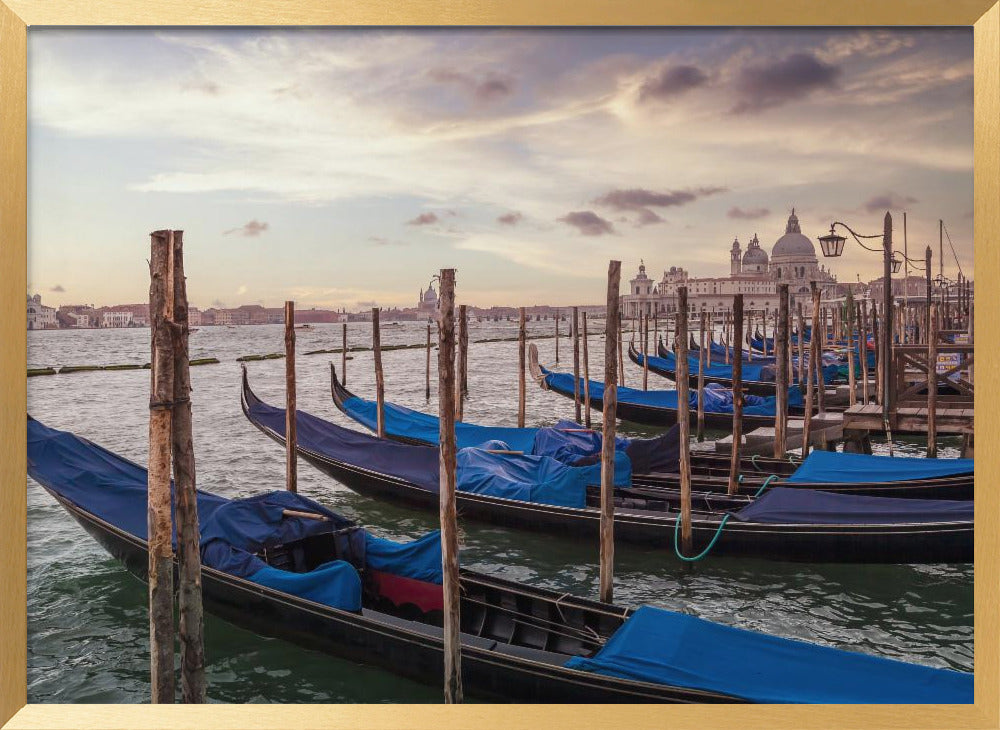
{"x": 735, "y": 258}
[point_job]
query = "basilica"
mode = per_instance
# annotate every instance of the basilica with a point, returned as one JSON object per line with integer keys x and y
{"x": 752, "y": 273}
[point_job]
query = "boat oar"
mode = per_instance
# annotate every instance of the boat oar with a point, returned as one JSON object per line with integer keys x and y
{"x": 304, "y": 515}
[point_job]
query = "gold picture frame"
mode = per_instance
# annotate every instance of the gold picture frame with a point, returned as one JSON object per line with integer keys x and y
{"x": 16, "y": 16}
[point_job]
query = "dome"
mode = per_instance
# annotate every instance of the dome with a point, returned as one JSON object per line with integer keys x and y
{"x": 793, "y": 244}
{"x": 755, "y": 254}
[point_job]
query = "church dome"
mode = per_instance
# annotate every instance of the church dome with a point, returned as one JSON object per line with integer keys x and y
{"x": 793, "y": 244}
{"x": 754, "y": 255}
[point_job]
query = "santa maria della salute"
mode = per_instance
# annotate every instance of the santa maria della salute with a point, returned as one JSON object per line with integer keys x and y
{"x": 752, "y": 273}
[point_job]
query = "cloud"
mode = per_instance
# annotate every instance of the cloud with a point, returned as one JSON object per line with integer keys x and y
{"x": 767, "y": 85}
{"x": 588, "y": 223}
{"x": 671, "y": 81}
{"x": 887, "y": 201}
{"x": 485, "y": 89}
{"x": 747, "y": 214}
{"x": 252, "y": 229}
{"x": 218, "y": 303}
{"x": 368, "y": 305}
{"x": 57, "y": 288}
{"x": 381, "y": 241}
{"x": 641, "y": 201}
{"x": 424, "y": 219}
{"x": 242, "y": 289}
{"x": 510, "y": 219}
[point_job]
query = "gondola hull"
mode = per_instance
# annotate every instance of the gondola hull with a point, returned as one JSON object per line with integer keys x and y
{"x": 754, "y": 387}
{"x": 402, "y": 647}
{"x": 891, "y": 543}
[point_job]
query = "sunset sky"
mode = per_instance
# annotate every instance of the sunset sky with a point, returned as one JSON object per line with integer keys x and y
{"x": 342, "y": 168}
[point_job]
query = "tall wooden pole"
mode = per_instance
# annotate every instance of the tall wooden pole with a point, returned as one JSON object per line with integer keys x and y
{"x": 734, "y": 458}
{"x": 586, "y": 374}
{"x": 887, "y": 308}
{"x": 343, "y": 354}
{"x": 291, "y": 432}
{"x": 190, "y": 611}
{"x": 684, "y": 417}
{"x": 610, "y": 406}
{"x": 427, "y": 369}
{"x": 782, "y": 385}
{"x": 802, "y": 347}
{"x": 863, "y": 349}
{"x": 932, "y": 338}
{"x": 159, "y": 522}
{"x": 879, "y": 352}
{"x": 621, "y": 353}
{"x": 852, "y": 347}
{"x": 446, "y": 491}
{"x": 576, "y": 363}
{"x": 811, "y": 372}
{"x": 463, "y": 359}
{"x": 557, "y": 336}
{"x": 644, "y": 337}
{"x": 701, "y": 377}
{"x": 522, "y": 392}
{"x": 379, "y": 376}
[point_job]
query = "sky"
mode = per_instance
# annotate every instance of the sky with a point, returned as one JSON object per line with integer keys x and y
{"x": 345, "y": 167}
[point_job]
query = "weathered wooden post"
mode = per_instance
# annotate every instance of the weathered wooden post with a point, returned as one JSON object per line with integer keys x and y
{"x": 811, "y": 374}
{"x": 379, "y": 377}
{"x": 427, "y": 369}
{"x": 576, "y": 363}
{"x": 446, "y": 491}
{"x": 781, "y": 386}
{"x": 159, "y": 523}
{"x": 734, "y": 457}
{"x": 610, "y": 406}
{"x": 877, "y": 341}
{"x": 701, "y": 378}
{"x": 586, "y": 373}
{"x": 463, "y": 359}
{"x": 621, "y": 353}
{"x": 557, "y": 336}
{"x": 190, "y": 611}
{"x": 749, "y": 335}
{"x": 932, "y": 339}
{"x": 343, "y": 354}
{"x": 863, "y": 349}
{"x": 291, "y": 432}
{"x": 522, "y": 392}
{"x": 644, "y": 337}
{"x": 852, "y": 396}
{"x": 802, "y": 347}
{"x": 684, "y": 417}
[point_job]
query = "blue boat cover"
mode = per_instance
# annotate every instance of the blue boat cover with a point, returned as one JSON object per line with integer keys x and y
{"x": 717, "y": 398}
{"x": 538, "y": 479}
{"x": 666, "y": 647}
{"x": 420, "y": 559}
{"x": 834, "y": 466}
{"x": 407, "y": 423}
{"x": 114, "y": 490}
{"x": 758, "y": 370}
{"x": 788, "y": 505}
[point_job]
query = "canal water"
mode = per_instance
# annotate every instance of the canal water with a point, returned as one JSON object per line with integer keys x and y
{"x": 87, "y": 620}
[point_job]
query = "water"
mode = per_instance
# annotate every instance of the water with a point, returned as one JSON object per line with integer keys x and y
{"x": 87, "y": 621}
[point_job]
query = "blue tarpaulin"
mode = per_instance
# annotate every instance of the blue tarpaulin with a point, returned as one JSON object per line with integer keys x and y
{"x": 407, "y": 423}
{"x": 666, "y": 647}
{"x": 760, "y": 371}
{"x": 420, "y": 559}
{"x": 788, "y": 505}
{"x": 833, "y": 466}
{"x": 336, "y": 584}
{"x": 717, "y": 399}
{"x": 501, "y": 475}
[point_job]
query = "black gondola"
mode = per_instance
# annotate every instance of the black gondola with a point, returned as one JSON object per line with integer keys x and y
{"x": 710, "y": 472}
{"x": 407, "y": 474}
{"x": 283, "y": 565}
{"x": 754, "y": 387}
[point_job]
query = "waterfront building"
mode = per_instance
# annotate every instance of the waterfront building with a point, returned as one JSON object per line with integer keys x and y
{"x": 39, "y": 316}
{"x": 116, "y": 318}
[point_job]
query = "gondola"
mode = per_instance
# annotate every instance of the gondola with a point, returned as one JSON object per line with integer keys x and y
{"x": 784, "y": 524}
{"x": 283, "y": 565}
{"x": 655, "y": 462}
{"x": 655, "y": 407}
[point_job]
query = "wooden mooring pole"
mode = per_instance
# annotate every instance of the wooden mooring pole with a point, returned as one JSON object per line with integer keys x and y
{"x": 463, "y": 356}
{"x": 191, "y": 621}
{"x": 932, "y": 390}
{"x": 863, "y": 349}
{"x": 576, "y": 363}
{"x": 684, "y": 417}
{"x": 557, "y": 336}
{"x": 621, "y": 351}
{"x": 701, "y": 377}
{"x": 644, "y": 337}
{"x": 159, "y": 522}
{"x": 734, "y": 457}
{"x": 343, "y": 354}
{"x": 586, "y": 374}
{"x": 448, "y": 512}
{"x": 379, "y": 375}
{"x": 811, "y": 372}
{"x": 852, "y": 384}
{"x": 291, "y": 436}
{"x": 522, "y": 392}
{"x": 427, "y": 369}
{"x": 782, "y": 385}
{"x": 610, "y": 407}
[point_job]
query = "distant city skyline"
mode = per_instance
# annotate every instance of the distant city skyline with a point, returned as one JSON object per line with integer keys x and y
{"x": 344, "y": 168}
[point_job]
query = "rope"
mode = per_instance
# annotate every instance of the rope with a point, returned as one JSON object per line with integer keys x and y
{"x": 703, "y": 553}
{"x": 765, "y": 485}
